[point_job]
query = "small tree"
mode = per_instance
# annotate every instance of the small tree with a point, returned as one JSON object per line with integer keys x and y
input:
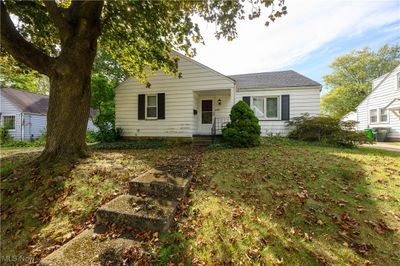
{"x": 243, "y": 130}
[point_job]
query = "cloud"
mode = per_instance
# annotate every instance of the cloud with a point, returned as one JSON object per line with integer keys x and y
{"x": 309, "y": 25}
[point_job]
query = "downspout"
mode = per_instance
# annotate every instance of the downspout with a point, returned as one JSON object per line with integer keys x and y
{"x": 22, "y": 127}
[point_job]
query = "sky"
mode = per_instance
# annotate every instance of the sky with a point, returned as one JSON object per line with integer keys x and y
{"x": 307, "y": 39}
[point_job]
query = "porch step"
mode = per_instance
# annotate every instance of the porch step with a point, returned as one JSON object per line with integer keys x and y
{"x": 145, "y": 214}
{"x": 202, "y": 140}
{"x": 159, "y": 184}
{"x": 89, "y": 248}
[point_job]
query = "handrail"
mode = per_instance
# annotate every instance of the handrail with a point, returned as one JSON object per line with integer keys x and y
{"x": 218, "y": 125}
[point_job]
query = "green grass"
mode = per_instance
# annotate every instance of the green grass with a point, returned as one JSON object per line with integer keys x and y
{"x": 43, "y": 208}
{"x": 286, "y": 202}
{"x": 291, "y": 203}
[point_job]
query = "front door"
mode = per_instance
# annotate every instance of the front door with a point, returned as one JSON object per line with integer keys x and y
{"x": 206, "y": 117}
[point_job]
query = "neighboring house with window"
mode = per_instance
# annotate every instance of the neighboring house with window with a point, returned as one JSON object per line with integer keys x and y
{"x": 381, "y": 108}
{"x": 199, "y": 103}
{"x": 25, "y": 113}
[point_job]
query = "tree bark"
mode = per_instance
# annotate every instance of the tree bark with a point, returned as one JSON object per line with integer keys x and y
{"x": 69, "y": 102}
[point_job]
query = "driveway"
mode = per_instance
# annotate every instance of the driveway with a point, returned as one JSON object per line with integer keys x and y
{"x": 389, "y": 146}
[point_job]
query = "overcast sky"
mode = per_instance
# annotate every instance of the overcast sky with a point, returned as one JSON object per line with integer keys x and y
{"x": 306, "y": 40}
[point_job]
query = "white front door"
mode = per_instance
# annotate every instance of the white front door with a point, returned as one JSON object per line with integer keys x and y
{"x": 206, "y": 117}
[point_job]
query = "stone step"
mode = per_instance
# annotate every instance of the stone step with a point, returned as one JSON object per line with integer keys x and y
{"x": 145, "y": 214}
{"x": 91, "y": 248}
{"x": 160, "y": 184}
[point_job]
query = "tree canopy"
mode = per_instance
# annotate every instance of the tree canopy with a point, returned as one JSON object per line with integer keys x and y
{"x": 60, "y": 39}
{"x": 351, "y": 78}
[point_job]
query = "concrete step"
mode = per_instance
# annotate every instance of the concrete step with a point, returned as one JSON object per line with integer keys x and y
{"x": 145, "y": 214}
{"x": 159, "y": 184}
{"x": 91, "y": 248}
{"x": 201, "y": 142}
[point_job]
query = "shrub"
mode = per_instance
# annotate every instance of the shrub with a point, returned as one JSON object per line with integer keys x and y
{"x": 108, "y": 134}
{"x": 326, "y": 129}
{"x": 5, "y": 135}
{"x": 91, "y": 136}
{"x": 243, "y": 130}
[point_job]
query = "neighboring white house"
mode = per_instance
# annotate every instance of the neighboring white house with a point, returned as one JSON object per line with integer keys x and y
{"x": 202, "y": 100}
{"x": 26, "y": 113}
{"x": 381, "y": 108}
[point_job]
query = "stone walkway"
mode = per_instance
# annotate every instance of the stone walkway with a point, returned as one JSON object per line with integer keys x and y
{"x": 388, "y": 146}
{"x": 150, "y": 206}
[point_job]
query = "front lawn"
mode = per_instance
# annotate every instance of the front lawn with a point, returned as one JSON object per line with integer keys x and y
{"x": 43, "y": 208}
{"x": 291, "y": 204}
{"x": 284, "y": 203}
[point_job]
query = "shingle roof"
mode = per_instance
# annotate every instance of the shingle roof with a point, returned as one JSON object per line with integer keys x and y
{"x": 30, "y": 102}
{"x": 27, "y": 101}
{"x": 277, "y": 79}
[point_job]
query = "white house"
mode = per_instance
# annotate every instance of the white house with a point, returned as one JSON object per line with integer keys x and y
{"x": 26, "y": 113}
{"x": 381, "y": 108}
{"x": 201, "y": 100}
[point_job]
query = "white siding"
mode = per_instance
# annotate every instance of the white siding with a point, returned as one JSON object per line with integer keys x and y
{"x": 34, "y": 125}
{"x": 91, "y": 126}
{"x": 302, "y": 100}
{"x": 179, "y": 101}
{"x": 379, "y": 98}
{"x": 8, "y": 108}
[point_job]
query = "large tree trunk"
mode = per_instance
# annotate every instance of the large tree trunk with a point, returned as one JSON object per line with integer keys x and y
{"x": 68, "y": 114}
{"x": 69, "y": 103}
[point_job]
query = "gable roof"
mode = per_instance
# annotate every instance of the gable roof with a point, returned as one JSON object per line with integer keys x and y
{"x": 277, "y": 79}
{"x": 27, "y": 101}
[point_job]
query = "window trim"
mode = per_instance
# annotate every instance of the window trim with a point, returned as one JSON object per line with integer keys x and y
{"x": 378, "y": 116}
{"x": 15, "y": 121}
{"x": 369, "y": 116}
{"x": 387, "y": 116}
{"x": 278, "y": 106}
{"x": 146, "y": 106}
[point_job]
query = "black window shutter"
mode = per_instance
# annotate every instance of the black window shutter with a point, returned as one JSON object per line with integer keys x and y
{"x": 161, "y": 105}
{"x": 246, "y": 99}
{"x": 141, "y": 103}
{"x": 285, "y": 107}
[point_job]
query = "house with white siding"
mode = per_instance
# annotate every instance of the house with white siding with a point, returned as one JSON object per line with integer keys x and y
{"x": 26, "y": 113}
{"x": 200, "y": 101}
{"x": 381, "y": 108}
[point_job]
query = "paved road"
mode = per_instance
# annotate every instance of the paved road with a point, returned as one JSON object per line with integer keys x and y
{"x": 389, "y": 146}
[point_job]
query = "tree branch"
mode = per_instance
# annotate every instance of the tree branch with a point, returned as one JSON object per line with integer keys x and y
{"x": 21, "y": 49}
{"x": 57, "y": 15}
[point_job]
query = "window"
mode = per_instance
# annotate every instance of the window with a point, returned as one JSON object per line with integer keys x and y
{"x": 151, "y": 106}
{"x": 9, "y": 121}
{"x": 383, "y": 115}
{"x": 266, "y": 107}
{"x": 373, "y": 116}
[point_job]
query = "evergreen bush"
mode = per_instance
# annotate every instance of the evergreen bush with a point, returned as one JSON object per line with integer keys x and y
{"x": 243, "y": 130}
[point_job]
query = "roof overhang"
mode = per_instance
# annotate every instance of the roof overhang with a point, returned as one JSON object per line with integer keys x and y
{"x": 394, "y": 105}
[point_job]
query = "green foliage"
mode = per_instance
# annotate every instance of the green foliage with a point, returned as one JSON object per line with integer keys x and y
{"x": 5, "y": 136}
{"x": 351, "y": 79}
{"x": 327, "y": 130}
{"x": 243, "y": 130}
{"x": 16, "y": 75}
{"x": 39, "y": 142}
{"x": 139, "y": 34}
{"x": 91, "y": 136}
{"x": 103, "y": 102}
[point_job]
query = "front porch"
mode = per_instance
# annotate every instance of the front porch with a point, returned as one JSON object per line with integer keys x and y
{"x": 211, "y": 111}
